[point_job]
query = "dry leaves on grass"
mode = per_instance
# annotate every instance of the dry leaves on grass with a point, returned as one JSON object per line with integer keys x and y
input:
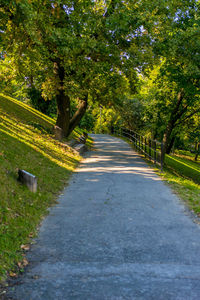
{"x": 25, "y": 247}
{"x": 31, "y": 235}
{"x": 23, "y": 263}
{"x": 12, "y": 274}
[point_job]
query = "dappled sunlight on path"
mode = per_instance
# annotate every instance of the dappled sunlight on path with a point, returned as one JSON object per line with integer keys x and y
{"x": 117, "y": 233}
{"x": 116, "y": 161}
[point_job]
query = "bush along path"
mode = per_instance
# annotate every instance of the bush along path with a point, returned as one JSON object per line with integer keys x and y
{"x": 117, "y": 232}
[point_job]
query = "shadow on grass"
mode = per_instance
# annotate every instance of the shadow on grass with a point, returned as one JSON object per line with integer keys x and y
{"x": 24, "y": 112}
{"x": 44, "y": 144}
{"x": 26, "y": 148}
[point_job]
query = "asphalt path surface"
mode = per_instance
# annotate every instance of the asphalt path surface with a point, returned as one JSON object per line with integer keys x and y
{"x": 118, "y": 232}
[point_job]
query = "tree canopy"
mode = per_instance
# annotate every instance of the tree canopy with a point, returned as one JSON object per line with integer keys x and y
{"x": 108, "y": 52}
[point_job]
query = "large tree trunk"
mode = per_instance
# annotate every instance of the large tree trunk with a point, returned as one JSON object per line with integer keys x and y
{"x": 78, "y": 114}
{"x": 63, "y": 102}
{"x": 167, "y": 137}
{"x": 63, "y": 106}
{"x": 63, "y": 112}
{"x": 169, "y": 148}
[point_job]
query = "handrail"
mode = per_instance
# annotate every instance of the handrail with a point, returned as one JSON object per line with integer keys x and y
{"x": 152, "y": 149}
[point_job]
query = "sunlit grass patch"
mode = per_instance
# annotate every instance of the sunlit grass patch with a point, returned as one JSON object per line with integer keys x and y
{"x": 186, "y": 189}
{"x": 188, "y": 155}
{"x": 24, "y": 113}
{"x": 183, "y": 167}
{"x": 32, "y": 148}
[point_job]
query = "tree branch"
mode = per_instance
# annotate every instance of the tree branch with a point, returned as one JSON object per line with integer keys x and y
{"x": 111, "y": 8}
{"x": 189, "y": 116}
{"x": 78, "y": 114}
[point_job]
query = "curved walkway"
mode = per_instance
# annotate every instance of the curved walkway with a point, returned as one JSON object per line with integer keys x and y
{"x": 118, "y": 232}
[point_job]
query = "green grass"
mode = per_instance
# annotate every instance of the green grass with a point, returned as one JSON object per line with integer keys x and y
{"x": 184, "y": 167}
{"x": 182, "y": 173}
{"x": 186, "y": 189}
{"x": 26, "y": 143}
{"x": 188, "y": 155}
{"x": 24, "y": 113}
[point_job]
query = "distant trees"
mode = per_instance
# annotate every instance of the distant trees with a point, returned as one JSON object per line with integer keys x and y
{"x": 169, "y": 102}
{"x": 170, "y": 91}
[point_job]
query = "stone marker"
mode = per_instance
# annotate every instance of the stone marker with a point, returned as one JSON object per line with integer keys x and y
{"x": 28, "y": 179}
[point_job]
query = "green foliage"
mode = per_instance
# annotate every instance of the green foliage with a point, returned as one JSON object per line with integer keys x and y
{"x": 131, "y": 112}
{"x": 88, "y": 121}
{"x": 10, "y": 82}
{"x": 84, "y": 47}
{"x": 45, "y": 106}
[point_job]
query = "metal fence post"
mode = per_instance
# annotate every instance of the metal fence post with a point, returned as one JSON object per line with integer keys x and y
{"x": 162, "y": 157}
{"x": 136, "y": 140}
{"x": 130, "y": 136}
{"x": 150, "y": 148}
{"x": 142, "y": 142}
{"x": 154, "y": 152}
{"x": 145, "y": 146}
{"x": 139, "y": 141}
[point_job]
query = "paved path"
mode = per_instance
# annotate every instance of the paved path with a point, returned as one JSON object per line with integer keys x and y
{"x": 117, "y": 233}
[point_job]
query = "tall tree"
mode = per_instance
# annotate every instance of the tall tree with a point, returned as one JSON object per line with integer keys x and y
{"x": 79, "y": 44}
{"x": 173, "y": 88}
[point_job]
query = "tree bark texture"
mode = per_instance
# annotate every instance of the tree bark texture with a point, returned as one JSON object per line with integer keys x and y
{"x": 63, "y": 107}
{"x": 78, "y": 114}
{"x": 63, "y": 102}
{"x": 63, "y": 112}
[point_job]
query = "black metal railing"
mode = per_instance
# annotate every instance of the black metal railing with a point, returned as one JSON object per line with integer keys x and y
{"x": 152, "y": 149}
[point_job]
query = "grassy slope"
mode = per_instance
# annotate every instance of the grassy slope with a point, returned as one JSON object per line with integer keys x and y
{"x": 183, "y": 175}
{"x": 186, "y": 189}
{"x": 25, "y": 143}
{"x": 184, "y": 166}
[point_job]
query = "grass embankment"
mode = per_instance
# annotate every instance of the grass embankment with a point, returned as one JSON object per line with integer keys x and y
{"x": 183, "y": 175}
{"x": 184, "y": 166}
{"x": 26, "y": 143}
